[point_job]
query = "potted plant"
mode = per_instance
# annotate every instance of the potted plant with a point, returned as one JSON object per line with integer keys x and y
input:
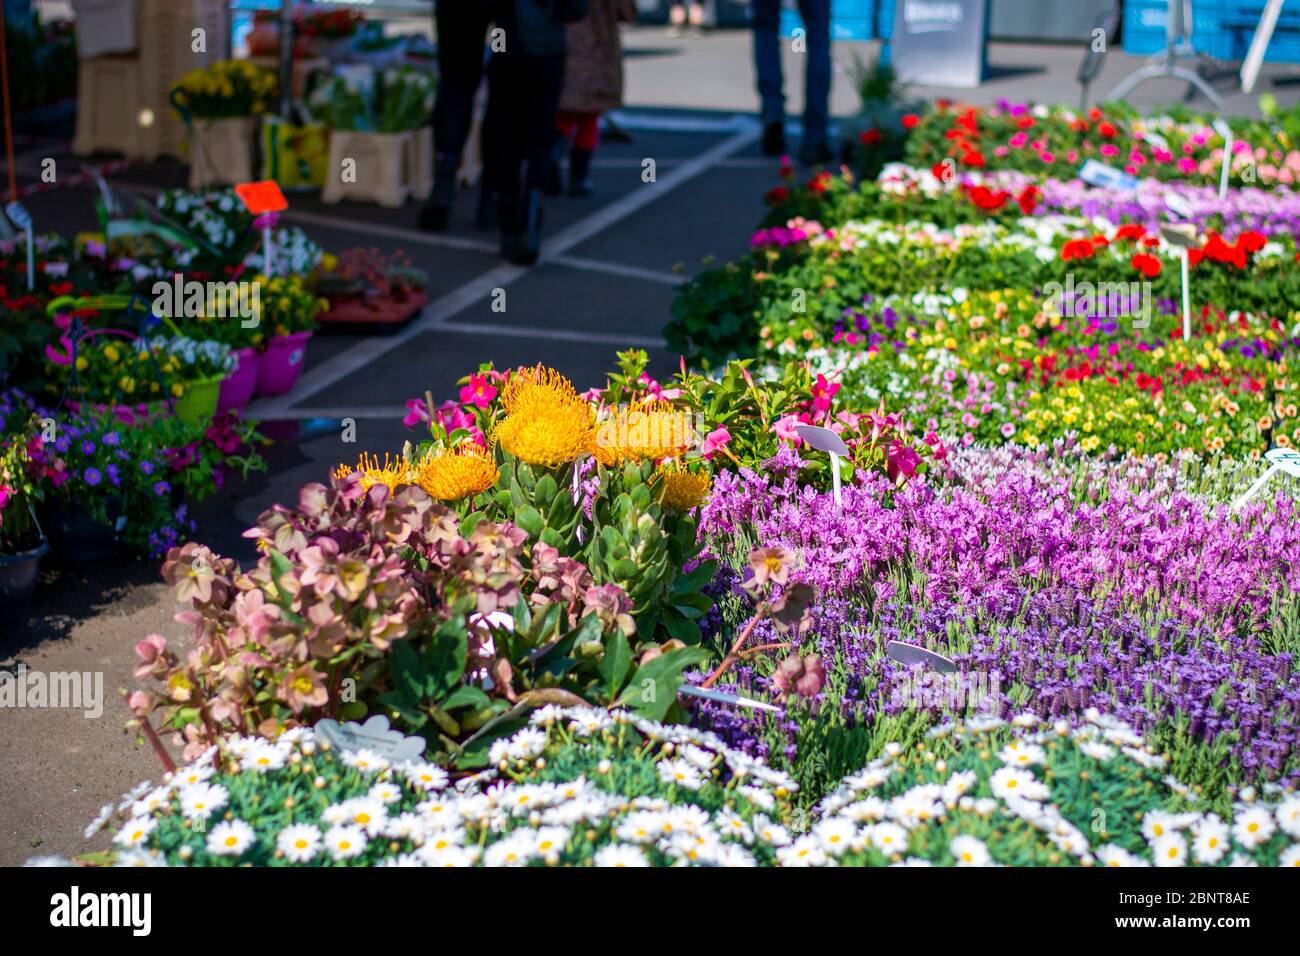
{"x": 220, "y": 105}
{"x": 383, "y": 126}
{"x": 192, "y": 372}
{"x": 22, "y": 542}
{"x": 365, "y": 286}
{"x": 288, "y": 317}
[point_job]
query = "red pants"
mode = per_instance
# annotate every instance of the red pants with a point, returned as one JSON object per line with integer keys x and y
{"x": 582, "y": 128}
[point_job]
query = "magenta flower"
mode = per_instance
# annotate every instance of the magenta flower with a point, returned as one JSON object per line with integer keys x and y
{"x": 715, "y": 441}
{"x": 479, "y": 392}
{"x": 417, "y": 412}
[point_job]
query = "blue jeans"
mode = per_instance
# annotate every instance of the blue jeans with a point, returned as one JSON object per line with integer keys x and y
{"x": 817, "y": 74}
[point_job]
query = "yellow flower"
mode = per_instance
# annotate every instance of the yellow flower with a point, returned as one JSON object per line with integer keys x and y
{"x": 683, "y": 490}
{"x": 390, "y": 473}
{"x": 644, "y": 429}
{"x": 546, "y": 423}
{"x": 449, "y": 475}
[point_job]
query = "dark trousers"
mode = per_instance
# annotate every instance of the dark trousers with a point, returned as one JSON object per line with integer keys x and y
{"x": 523, "y": 94}
{"x": 462, "y": 29}
{"x": 816, "y": 16}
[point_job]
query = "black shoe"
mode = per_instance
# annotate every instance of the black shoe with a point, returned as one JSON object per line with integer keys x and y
{"x": 580, "y": 172}
{"x": 436, "y": 212}
{"x": 488, "y": 217}
{"x": 815, "y": 154}
{"x": 524, "y": 246}
{"x": 774, "y": 139}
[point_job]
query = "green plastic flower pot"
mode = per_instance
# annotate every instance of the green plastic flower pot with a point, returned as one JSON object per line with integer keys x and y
{"x": 199, "y": 403}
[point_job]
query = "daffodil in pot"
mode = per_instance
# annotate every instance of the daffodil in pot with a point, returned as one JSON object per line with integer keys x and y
{"x": 221, "y": 105}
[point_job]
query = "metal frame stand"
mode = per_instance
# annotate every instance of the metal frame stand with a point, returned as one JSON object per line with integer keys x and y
{"x": 1178, "y": 40}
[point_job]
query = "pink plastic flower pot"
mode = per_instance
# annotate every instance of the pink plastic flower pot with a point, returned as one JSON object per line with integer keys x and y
{"x": 282, "y": 364}
{"x": 238, "y": 387}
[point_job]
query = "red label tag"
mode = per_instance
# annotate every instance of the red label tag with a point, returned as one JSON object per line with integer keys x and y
{"x": 263, "y": 197}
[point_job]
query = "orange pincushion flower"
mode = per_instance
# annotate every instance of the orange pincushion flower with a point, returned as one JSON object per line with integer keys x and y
{"x": 648, "y": 429}
{"x": 546, "y": 423}
{"x": 390, "y": 473}
{"x": 683, "y": 490}
{"x": 467, "y": 470}
{"x": 532, "y": 388}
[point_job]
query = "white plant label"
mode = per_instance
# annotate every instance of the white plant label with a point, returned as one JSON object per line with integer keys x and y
{"x": 722, "y": 697}
{"x": 823, "y": 439}
{"x": 1223, "y": 129}
{"x": 1102, "y": 176}
{"x": 1179, "y": 206}
{"x": 374, "y": 735}
{"x": 1279, "y": 459}
{"x": 911, "y": 655}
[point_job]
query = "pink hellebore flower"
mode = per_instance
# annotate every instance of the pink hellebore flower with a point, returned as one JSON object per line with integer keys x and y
{"x": 150, "y": 651}
{"x": 715, "y": 441}
{"x": 479, "y": 392}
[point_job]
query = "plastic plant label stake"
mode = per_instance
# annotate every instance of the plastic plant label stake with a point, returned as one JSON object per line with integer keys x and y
{"x": 21, "y": 218}
{"x": 1223, "y": 129}
{"x": 266, "y": 201}
{"x": 1102, "y": 176}
{"x": 911, "y": 654}
{"x": 1279, "y": 459}
{"x": 722, "y": 697}
{"x": 1184, "y": 237}
{"x": 823, "y": 439}
{"x": 1179, "y": 206}
{"x": 374, "y": 735}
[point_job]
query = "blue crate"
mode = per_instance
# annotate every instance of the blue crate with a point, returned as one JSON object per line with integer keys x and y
{"x": 850, "y": 20}
{"x": 1220, "y": 28}
{"x": 885, "y": 18}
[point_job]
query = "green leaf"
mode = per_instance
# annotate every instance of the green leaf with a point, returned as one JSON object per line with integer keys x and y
{"x": 653, "y": 688}
{"x": 446, "y": 656}
{"x": 466, "y": 696}
{"x": 615, "y": 664}
{"x": 530, "y": 519}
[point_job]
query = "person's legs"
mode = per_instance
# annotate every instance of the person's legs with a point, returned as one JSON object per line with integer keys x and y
{"x": 817, "y": 79}
{"x": 503, "y": 139}
{"x": 461, "y": 29}
{"x": 767, "y": 63}
{"x": 585, "y": 140}
{"x": 536, "y": 83}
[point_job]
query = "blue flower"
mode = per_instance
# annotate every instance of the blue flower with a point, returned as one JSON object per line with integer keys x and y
{"x": 92, "y": 476}
{"x": 161, "y": 488}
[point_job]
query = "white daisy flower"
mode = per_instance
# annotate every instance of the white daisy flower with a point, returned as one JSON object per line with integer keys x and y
{"x": 757, "y": 796}
{"x": 805, "y": 851}
{"x": 733, "y": 855}
{"x": 968, "y": 851}
{"x": 548, "y": 840}
{"x": 1169, "y": 850}
{"x": 406, "y": 826}
{"x": 367, "y": 761}
{"x": 515, "y": 850}
{"x": 136, "y": 832}
{"x": 1115, "y": 856}
{"x": 1210, "y": 840}
{"x": 264, "y": 756}
{"x": 1288, "y": 816}
{"x": 200, "y": 800}
{"x": 1017, "y": 782}
{"x": 345, "y": 842}
{"x": 456, "y": 856}
{"x": 1018, "y": 753}
{"x": 195, "y": 773}
{"x": 386, "y": 792}
{"x": 681, "y": 773}
{"x": 1097, "y": 750}
{"x": 773, "y": 834}
{"x": 837, "y": 835}
{"x": 367, "y": 813}
{"x": 1157, "y": 824}
{"x": 1253, "y": 827}
{"x": 299, "y": 842}
{"x": 620, "y": 855}
{"x": 140, "y": 859}
{"x": 425, "y": 776}
{"x": 735, "y": 827}
{"x": 1290, "y": 856}
{"x": 100, "y": 821}
{"x": 889, "y": 838}
{"x": 230, "y": 838}
{"x": 151, "y": 802}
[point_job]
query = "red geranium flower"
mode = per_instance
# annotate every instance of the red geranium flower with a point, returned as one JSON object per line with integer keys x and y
{"x": 1147, "y": 264}
{"x": 910, "y": 120}
{"x": 1077, "y": 249}
{"x": 777, "y": 196}
{"x": 1029, "y": 198}
{"x": 871, "y": 137}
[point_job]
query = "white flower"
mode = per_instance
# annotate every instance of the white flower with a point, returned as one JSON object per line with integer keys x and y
{"x": 1253, "y": 827}
{"x": 140, "y": 859}
{"x": 548, "y": 840}
{"x": 1169, "y": 850}
{"x": 805, "y": 851}
{"x": 299, "y": 843}
{"x": 230, "y": 838}
{"x": 135, "y": 832}
{"x": 264, "y": 756}
{"x": 345, "y": 842}
{"x": 515, "y": 850}
{"x": 681, "y": 773}
{"x": 837, "y": 835}
{"x": 1156, "y": 825}
{"x": 367, "y": 813}
{"x": 385, "y": 792}
{"x": 969, "y": 851}
{"x": 1210, "y": 841}
{"x": 367, "y": 761}
{"x": 620, "y": 855}
{"x": 1111, "y": 855}
{"x": 1020, "y": 754}
{"x": 154, "y": 800}
{"x": 200, "y": 800}
{"x": 1290, "y": 856}
{"x": 1009, "y": 782}
{"x": 528, "y": 743}
{"x": 406, "y": 826}
{"x": 97, "y": 824}
{"x": 192, "y": 774}
{"x": 771, "y": 833}
{"x": 1288, "y": 816}
{"x": 1097, "y": 750}
{"x": 889, "y": 838}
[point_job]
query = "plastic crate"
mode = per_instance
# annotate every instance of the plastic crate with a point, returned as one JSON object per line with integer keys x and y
{"x": 1145, "y": 22}
{"x": 1238, "y": 26}
{"x": 850, "y": 20}
{"x": 885, "y": 18}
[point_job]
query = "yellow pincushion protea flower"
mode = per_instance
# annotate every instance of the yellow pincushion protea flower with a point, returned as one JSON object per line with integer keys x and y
{"x": 451, "y": 474}
{"x": 390, "y": 473}
{"x": 643, "y": 430}
{"x": 530, "y": 389}
{"x": 546, "y": 423}
{"x": 683, "y": 489}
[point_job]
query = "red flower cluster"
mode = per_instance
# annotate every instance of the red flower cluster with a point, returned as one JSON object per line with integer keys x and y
{"x": 1218, "y": 250}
